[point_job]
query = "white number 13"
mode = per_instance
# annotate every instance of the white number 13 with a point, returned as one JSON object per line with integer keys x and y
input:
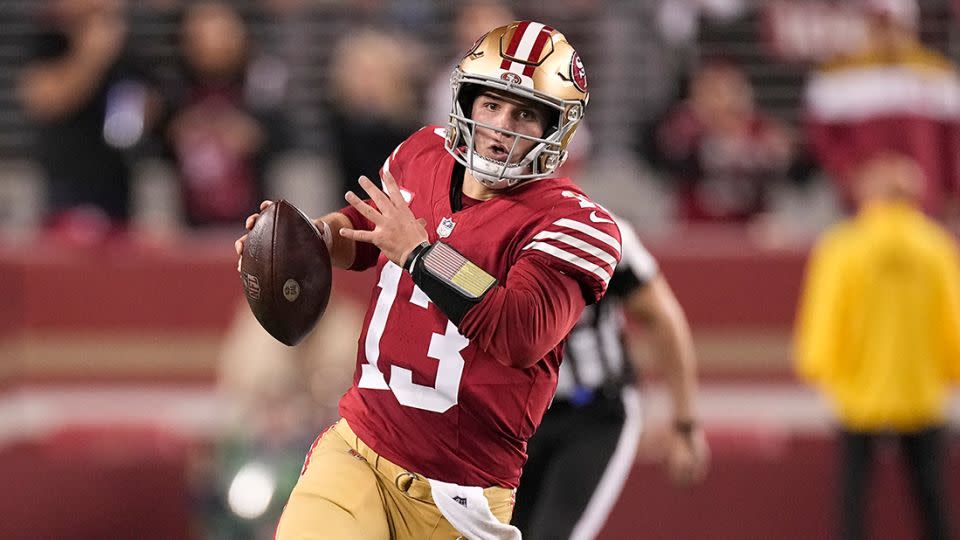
{"x": 445, "y": 348}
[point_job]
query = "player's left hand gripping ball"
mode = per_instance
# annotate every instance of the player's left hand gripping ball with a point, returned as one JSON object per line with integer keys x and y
{"x": 286, "y": 272}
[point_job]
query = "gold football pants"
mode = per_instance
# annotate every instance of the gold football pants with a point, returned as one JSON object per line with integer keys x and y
{"x": 347, "y": 491}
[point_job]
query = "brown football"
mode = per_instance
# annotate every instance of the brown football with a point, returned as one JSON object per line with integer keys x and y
{"x": 286, "y": 272}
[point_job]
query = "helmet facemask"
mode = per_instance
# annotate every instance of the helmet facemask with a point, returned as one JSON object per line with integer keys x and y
{"x": 542, "y": 160}
{"x": 524, "y": 60}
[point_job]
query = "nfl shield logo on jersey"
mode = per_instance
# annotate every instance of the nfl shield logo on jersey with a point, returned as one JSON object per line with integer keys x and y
{"x": 445, "y": 227}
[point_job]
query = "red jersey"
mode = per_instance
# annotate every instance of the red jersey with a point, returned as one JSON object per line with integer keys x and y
{"x": 440, "y": 400}
{"x": 874, "y": 102}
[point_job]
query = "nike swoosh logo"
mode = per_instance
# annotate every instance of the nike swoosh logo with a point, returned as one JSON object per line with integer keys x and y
{"x": 597, "y": 219}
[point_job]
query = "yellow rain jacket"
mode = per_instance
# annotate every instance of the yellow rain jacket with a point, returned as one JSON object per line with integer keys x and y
{"x": 878, "y": 327}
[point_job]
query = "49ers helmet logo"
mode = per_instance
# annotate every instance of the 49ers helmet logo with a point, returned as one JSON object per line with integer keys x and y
{"x": 578, "y": 73}
{"x": 510, "y": 77}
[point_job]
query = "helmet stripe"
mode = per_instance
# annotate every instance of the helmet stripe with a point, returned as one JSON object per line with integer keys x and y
{"x": 527, "y": 43}
{"x": 542, "y": 38}
{"x": 514, "y": 43}
{"x": 530, "y": 34}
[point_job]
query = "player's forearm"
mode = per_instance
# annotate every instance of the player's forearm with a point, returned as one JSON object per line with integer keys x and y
{"x": 521, "y": 322}
{"x": 502, "y": 327}
{"x": 343, "y": 251}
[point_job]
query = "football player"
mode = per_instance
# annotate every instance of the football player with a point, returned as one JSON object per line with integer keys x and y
{"x": 582, "y": 453}
{"x": 484, "y": 265}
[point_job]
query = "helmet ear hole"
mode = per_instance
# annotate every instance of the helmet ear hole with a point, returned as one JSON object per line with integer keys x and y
{"x": 468, "y": 94}
{"x": 553, "y": 123}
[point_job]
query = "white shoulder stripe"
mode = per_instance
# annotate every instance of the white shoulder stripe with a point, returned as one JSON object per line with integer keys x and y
{"x": 589, "y": 231}
{"x": 579, "y": 244}
{"x": 397, "y": 149}
{"x": 392, "y": 156}
{"x": 572, "y": 259}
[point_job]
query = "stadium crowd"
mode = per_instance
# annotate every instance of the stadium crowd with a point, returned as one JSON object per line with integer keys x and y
{"x": 146, "y": 122}
{"x": 234, "y": 101}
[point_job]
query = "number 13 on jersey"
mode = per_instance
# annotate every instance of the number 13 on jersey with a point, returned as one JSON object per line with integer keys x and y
{"x": 444, "y": 348}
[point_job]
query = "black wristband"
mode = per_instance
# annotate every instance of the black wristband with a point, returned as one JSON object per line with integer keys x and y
{"x": 684, "y": 427}
{"x": 414, "y": 254}
{"x": 450, "y": 280}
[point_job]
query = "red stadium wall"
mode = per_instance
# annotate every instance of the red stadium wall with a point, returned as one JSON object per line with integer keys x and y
{"x": 156, "y": 315}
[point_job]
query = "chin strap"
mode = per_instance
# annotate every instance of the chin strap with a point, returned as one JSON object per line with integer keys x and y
{"x": 451, "y": 281}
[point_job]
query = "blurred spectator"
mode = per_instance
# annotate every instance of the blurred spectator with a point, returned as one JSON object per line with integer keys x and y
{"x": 879, "y": 332}
{"x": 372, "y": 115}
{"x": 679, "y": 21}
{"x": 226, "y": 125}
{"x": 471, "y": 20}
{"x": 720, "y": 155}
{"x": 92, "y": 107}
{"x": 894, "y": 94}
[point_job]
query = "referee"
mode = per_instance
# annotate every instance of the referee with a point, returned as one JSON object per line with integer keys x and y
{"x": 582, "y": 453}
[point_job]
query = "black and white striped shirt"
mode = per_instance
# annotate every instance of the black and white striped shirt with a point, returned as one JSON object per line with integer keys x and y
{"x": 595, "y": 356}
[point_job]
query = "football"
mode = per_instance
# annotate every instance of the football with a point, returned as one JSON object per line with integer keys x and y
{"x": 286, "y": 272}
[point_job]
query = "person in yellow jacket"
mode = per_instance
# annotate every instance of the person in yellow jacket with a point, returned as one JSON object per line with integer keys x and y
{"x": 878, "y": 331}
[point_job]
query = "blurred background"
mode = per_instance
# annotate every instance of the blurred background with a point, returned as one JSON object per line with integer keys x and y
{"x": 138, "y": 397}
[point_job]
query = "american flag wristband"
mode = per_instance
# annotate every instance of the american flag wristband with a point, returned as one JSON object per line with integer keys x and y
{"x": 452, "y": 281}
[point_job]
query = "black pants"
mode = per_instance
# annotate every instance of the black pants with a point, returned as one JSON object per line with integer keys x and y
{"x": 567, "y": 458}
{"x": 923, "y": 452}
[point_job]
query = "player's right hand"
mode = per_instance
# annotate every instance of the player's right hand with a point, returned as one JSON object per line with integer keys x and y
{"x": 248, "y": 224}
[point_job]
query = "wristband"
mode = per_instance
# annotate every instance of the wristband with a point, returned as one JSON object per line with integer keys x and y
{"x": 414, "y": 255}
{"x": 451, "y": 281}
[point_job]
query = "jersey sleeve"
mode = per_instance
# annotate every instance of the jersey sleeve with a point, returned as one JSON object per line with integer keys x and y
{"x": 582, "y": 242}
{"x": 522, "y": 320}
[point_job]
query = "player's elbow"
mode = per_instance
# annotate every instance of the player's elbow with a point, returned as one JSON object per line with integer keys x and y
{"x": 519, "y": 361}
{"x": 519, "y": 355}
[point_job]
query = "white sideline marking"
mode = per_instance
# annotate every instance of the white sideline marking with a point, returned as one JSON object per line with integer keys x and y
{"x": 202, "y": 412}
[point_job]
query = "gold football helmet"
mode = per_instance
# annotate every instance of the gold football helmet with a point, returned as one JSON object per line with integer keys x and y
{"x": 532, "y": 61}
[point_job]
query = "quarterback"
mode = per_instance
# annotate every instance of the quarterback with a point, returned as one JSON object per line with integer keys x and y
{"x": 485, "y": 263}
